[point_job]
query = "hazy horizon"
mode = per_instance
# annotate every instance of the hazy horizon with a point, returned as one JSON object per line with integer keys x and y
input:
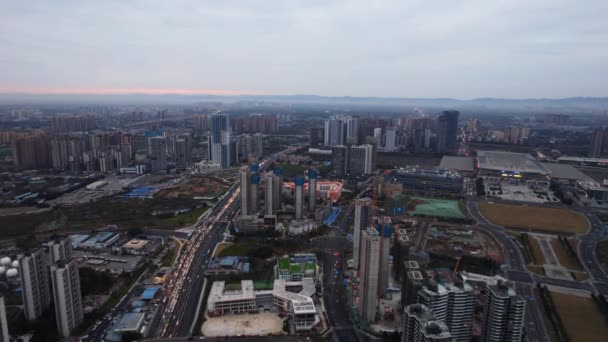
{"x": 548, "y": 49}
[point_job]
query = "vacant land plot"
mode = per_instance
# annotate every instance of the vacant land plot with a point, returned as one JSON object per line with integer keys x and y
{"x": 538, "y": 258}
{"x": 564, "y": 258}
{"x": 536, "y": 218}
{"x": 581, "y": 318}
{"x": 243, "y": 325}
{"x": 433, "y": 207}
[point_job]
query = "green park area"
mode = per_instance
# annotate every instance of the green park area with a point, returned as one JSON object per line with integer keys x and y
{"x": 433, "y": 207}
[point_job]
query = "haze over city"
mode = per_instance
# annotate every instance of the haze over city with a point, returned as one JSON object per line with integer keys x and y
{"x": 458, "y": 49}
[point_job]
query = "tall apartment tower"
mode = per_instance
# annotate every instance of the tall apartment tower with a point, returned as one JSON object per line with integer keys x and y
{"x": 35, "y": 290}
{"x": 368, "y": 274}
{"x": 385, "y": 231}
{"x": 59, "y": 249}
{"x": 255, "y": 189}
{"x": 183, "y": 151}
{"x": 453, "y": 304}
{"x": 418, "y": 324}
{"x": 269, "y": 193}
{"x": 220, "y": 140}
{"x": 245, "y": 187}
{"x": 361, "y": 160}
{"x": 67, "y": 296}
{"x": 339, "y": 164}
{"x": 363, "y": 218}
{"x": 312, "y": 190}
{"x": 158, "y": 155}
{"x": 277, "y": 199}
{"x": 299, "y": 182}
{"x": 597, "y": 141}
{"x": 4, "y": 337}
{"x": 503, "y": 314}
{"x": 334, "y": 132}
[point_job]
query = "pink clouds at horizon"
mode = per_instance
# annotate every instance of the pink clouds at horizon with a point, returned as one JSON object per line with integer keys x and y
{"x": 124, "y": 91}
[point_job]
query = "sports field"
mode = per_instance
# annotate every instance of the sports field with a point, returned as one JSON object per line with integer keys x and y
{"x": 433, "y": 207}
{"x": 532, "y": 217}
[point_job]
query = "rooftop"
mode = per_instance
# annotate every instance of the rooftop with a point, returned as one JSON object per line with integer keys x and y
{"x": 509, "y": 161}
{"x": 457, "y": 163}
{"x": 565, "y": 171}
{"x": 130, "y": 321}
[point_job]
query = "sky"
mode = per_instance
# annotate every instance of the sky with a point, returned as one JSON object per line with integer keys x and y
{"x": 404, "y": 48}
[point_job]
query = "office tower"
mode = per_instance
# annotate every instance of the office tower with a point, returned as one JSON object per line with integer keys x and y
{"x": 4, "y": 337}
{"x": 245, "y": 186}
{"x": 451, "y": 302}
{"x": 269, "y": 193}
{"x": 597, "y": 138}
{"x": 220, "y": 136}
{"x": 361, "y": 160}
{"x": 226, "y": 150}
{"x": 418, "y": 324}
{"x": 334, "y": 132}
{"x": 390, "y": 140}
{"x": 338, "y": 160}
{"x": 299, "y": 182}
{"x": 158, "y": 155}
{"x": 368, "y": 274}
{"x": 447, "y": 130}
{"x": 316, "y": 136}
{"x": 363, "y": 218}
{"x": 312, "y": 190}
{"x": 503, "y": 313}
{"x": 59, "y": 249}
{"x": 183, "y": 151}
{"x": 67, "y": 296}
{"x": 255, "y": 189}
{"x": 34, "y": 278}
{"x": 277, "y": 199}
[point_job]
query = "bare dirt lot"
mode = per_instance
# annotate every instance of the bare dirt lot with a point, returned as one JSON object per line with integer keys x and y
{"x": 581, "y": 318}
{"x": 535, "y": 218}
{"x": 243, "y": 325}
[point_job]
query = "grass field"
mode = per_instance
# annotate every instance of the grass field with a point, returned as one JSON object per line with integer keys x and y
{"x": 536, "y": 218}
{"x": 564, "y": 259}
{"x": 184, "y": 219}
{"x": 236, "y": 249}
{"x": 421, "y": 206}
{"x": 581, "y": 318}
{"x": 538, "y": 258}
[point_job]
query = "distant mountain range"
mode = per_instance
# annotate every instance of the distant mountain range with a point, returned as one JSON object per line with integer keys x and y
{"x": 592, "y": 105}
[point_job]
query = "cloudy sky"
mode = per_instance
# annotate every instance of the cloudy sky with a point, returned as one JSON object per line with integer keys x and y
{"x": 402, "y": 48}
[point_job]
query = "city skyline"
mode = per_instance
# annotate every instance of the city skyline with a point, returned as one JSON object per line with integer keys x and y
{"x": 514, "y": 49}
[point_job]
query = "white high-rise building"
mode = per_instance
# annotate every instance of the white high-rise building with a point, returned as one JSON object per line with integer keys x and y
{"x": 453, "y": 303}
{"x": 368, "y": 274}
{"x": 363, "y": 216}
{"x": 59, "y": 249}
{"x": 418, "y": 324}
{"x": 361, "y": 160}
{"x": 4, "y": 337}
{"x": 334, "y": 132}
{"x": 67, "y": 296}
{"x": 35, "y": 291}
{"x": 503, "y": 314}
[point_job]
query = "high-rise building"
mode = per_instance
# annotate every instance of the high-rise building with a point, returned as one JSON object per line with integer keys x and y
{"x": 277, "y": 189}
{"x": 59, "y": 249}
{"x": 245, "y": 190}
{"x": 597, "y": 138}
{"x": 158, "y": 155}
{"x": 385, "y": 231}
{"x": 334, "y": 132}
{"x": 220, "y": 139}
{"x": 368, "y": 274}
{"x": 390, "y": 138}
{"x": 412, "y": 282}
{"x": 361, "y": 160}
{"x": 418, "y": 324}
{"x": 4, "y": 337}
{"x": 34, "y": 278}
{"x": 312, "y": 190}
{"x": 255, "y": 189}
{"x": 269, "y": 193}
{"x": 363, "y": 218}
{"x": 32, "y": 152}
{"x": 352, "y": 130}
{"x": 67, "y": 296}
{"x": 316, "y": 136}
{"x": 299, "y": 183}
{"x": 503, "y": 314}
{"x": 401, "y": 248}
{"x": 339, "y": 165}
{"x": 183, "y": 151}
{"x": 447, "y": 130}
{"x": 227, "y": 150}
{"x": 201, "y": 122}
{"x": 451, "y": 302}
